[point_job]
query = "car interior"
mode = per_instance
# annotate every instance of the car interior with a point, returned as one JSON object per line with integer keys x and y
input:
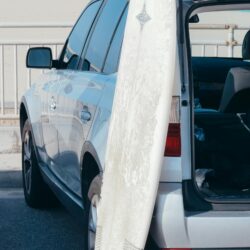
{"x": 221, "y": 129}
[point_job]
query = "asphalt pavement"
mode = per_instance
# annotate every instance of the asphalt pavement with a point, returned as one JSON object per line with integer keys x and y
{"x": 23, "y": 228}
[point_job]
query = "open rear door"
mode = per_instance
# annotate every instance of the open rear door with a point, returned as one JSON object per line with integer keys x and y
{"x": 139, "y": 125}
{"x": 205, "y": 223}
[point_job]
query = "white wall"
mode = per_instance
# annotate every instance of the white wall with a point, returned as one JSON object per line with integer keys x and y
{"x": 40, "y": 10}
{"x": 31, "y": 12}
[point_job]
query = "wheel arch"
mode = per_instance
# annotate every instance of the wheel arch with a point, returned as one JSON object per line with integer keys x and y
{"x": 91, "y": 172}
{"x": 23, "y": 114}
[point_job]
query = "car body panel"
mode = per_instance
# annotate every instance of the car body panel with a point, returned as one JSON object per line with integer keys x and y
{"x": 78, "y": 93}
{"x": 99, "y": 131}
{"x": 72, "y": 91}
{"x": 62, "y": 132}
{"x": 48, "y": 118}
{"x": 173, "y": 227}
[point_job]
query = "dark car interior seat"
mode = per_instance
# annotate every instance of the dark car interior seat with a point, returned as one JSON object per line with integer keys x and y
{"x": 225, "y": 146}
{"x": 236, "y": 93}
{"x": 210, "y": 74}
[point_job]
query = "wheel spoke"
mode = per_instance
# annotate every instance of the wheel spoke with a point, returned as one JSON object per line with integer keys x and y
{"x": 92, "y": 224}
{"x": 27, "y": 146}
{"x": 91, "y": 241}
{"x": 28, "y": 179}
{"x": 26, "y": 158}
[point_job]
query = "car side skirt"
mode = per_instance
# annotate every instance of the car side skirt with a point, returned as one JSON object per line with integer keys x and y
{"x": 72, "y": 202}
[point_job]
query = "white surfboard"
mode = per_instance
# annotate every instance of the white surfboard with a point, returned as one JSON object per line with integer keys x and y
{"x": 138, "y": 126}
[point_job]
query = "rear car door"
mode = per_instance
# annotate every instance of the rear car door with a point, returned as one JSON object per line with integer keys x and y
{"x": 183, "y": 217}
{"x": 59, "y": 105}
{"x": 81, "y": 91}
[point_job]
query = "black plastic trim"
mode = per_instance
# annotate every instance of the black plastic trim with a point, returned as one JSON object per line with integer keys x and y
{"x": 71, "y": 201}
{"x": 39, "y": 67}
{"x": 194, "y": 201}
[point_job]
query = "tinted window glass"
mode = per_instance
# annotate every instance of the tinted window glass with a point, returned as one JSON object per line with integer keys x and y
{"x": 79, "y": 35}
{"x": 111, "y": 64}
{"x": 103, "y": 33}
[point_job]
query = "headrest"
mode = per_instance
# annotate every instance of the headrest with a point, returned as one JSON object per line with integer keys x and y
{"x": 246, "y": 47}
{"x": 236, "y": 93}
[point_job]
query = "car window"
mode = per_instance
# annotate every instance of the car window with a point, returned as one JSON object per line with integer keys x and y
{"x": 79, "y": 35}
{"x": 103, "y": 33}
{"x": 112, "y": 61}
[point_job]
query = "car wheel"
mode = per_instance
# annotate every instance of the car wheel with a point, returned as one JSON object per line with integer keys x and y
{"x": 91, "y": 200}
{"x": 92, "y": 222}
{"x": 37, "y": 194}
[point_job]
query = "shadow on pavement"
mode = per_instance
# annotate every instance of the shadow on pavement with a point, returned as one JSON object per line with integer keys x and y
{"x": 24, "y": 228}
{"x": 11, "y": 179}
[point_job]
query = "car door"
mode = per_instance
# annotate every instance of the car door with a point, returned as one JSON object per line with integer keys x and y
{"x": 81, "y": 92}
{"x": 55, "y": 108}
{"x": 48, "y": 119}
{"x": 78, "y": 97}
{"x": 187, "y": 219}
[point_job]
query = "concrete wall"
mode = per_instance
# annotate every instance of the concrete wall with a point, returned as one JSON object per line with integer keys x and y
{"x": 27, "y": 12}
{"x": 23, "y": 12}
{"x": 40, "y": 11}
{"x": 34, "y": 11}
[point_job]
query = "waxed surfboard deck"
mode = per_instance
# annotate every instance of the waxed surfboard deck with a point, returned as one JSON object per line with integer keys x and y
{"x": 138, "y": 126}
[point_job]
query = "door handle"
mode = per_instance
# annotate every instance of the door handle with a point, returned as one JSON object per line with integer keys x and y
{"x": 85, "y": 116}
{"x": 53, "y": 104}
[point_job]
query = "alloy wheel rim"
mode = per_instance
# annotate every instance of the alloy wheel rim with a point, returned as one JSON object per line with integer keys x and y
{"x": 27, "y": 145}
{"x": 92, "y": 223}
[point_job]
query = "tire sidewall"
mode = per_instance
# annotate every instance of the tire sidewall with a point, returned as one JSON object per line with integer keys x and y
{"x": 86, "y": 222}
{"x": 39, "y": 195}
{"x": 27, "y": 128}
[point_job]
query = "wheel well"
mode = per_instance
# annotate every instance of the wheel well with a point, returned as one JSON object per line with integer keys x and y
{"x": 90, "y": 170}
{"x": 23, "y": 116}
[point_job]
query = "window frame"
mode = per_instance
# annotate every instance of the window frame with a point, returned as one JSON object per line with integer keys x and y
{"x": 61, "y": 63}
{"x": 84, "y": 52}
{"x": 194, "y": 200}
{"x": 113, "y": 37}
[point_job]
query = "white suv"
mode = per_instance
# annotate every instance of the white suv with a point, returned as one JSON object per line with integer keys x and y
{"x": 64, "y": 119}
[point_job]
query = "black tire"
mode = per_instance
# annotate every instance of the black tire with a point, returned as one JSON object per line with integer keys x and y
{"x": 86, "y": 225}
{"x": 90, "y": 217}
{"x": 36, "y": 192}
{"x": 86, "y": 203}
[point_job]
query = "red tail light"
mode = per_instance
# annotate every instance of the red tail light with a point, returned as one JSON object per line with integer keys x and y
{"x": 173, "y": 143}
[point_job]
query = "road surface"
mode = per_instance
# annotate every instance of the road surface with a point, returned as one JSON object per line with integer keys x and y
{"x": 23, "y": 228}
